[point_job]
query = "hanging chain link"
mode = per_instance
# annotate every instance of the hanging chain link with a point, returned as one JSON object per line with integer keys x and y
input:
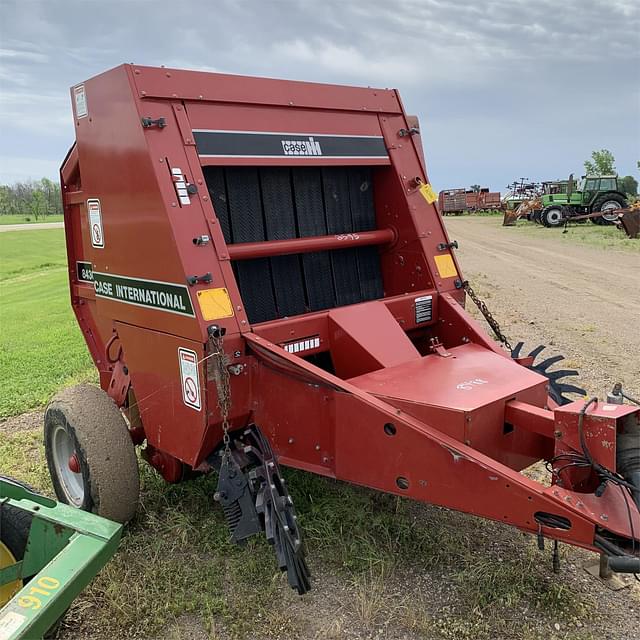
{"x": 484, "y": 310}
{"x": 222, "y": 378}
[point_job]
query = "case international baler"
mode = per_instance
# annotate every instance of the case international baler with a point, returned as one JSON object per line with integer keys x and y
{"x": 261, "y": 276}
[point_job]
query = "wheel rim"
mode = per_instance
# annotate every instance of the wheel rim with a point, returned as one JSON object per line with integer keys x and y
{"x": 610, "y": 205}
{"x": 63, "y": 451}
{"x": 554, "y": 216}
{"x": 7, "y": 591}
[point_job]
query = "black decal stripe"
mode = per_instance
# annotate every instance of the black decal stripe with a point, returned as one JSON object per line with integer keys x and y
{"x": 270, "y": 145}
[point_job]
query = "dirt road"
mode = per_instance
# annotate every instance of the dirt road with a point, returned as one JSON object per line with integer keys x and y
{"x": 31, "y": 227}
{"x": 582, "y": 301}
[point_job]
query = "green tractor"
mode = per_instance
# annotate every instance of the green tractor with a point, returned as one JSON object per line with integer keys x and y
{"x": 561, "y": 201}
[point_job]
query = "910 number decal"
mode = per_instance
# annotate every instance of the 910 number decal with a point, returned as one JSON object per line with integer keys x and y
{"x": 43, "y": 587}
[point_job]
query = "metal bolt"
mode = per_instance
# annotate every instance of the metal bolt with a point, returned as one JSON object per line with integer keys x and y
{"x": 317, "y": 447}
{"x": 291, "y": 440}
{"x": 557, "y": 434}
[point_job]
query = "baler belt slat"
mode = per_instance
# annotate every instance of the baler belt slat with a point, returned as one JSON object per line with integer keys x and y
{"x": 245, "y": 210}
{"x": 338, "y": 211}
{"x": 307, "y": 185}
{"x": 280, "y": 223}
{"x": 364, "y": 219}
{"x": 215, "y": 179}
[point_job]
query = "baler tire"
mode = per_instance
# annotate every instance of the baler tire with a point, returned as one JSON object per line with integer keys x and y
{"x": 105, "y": 452}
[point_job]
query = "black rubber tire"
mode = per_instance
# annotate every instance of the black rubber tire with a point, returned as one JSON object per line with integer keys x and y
{"x": 104, "y": 449}
{"x": 597, "y": 206}
{"x": 549, "y": 218}
{"x": 15, "y": 525}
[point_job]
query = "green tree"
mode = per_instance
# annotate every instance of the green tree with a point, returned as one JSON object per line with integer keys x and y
{"x": 602, "y": 163}
{"x": 475, "y": 187}
{"x": 629, "y": 185}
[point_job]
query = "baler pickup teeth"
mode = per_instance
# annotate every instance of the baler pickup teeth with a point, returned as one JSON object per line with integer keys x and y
{"x": 254, "y": 498}
{"x": 234, "y": 494}
{"x": 557, "y": 390}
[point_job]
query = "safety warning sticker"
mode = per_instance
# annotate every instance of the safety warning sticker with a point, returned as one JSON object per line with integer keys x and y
{"x": 190, "y": 378}
{"x": 80, "y": 99}
{"x": 10, "y": 623}
{"x": 95, "y": 223}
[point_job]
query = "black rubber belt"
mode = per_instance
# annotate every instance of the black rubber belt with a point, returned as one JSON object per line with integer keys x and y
{"x": 364, "y": 219}
{"x": 307, "y": 187}
{"x": 335, "y": 185}
{"x": 280, "y": 223}
{"x": 214, "y": 178}
{"x": 245, "y": 211}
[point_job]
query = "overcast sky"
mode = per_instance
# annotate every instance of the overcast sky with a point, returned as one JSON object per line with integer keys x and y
{"x": 503, "y": 88}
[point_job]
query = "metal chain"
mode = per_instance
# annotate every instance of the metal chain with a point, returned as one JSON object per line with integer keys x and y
{"x": 484, "y": 310}
{"x": 223, "y": 385}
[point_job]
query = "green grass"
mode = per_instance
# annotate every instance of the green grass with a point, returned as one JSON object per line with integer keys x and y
{"x": 41, "y": 348}
{"x": 28, "y": 219}
{"x": 605, "y": 237}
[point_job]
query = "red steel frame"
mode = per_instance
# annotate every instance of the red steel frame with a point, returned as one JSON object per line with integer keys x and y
{"x": 435, "y": 411}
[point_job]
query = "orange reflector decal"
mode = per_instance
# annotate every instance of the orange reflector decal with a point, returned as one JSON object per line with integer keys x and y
{"x": 446, "y": 267}
{"x": 215, "y": 303}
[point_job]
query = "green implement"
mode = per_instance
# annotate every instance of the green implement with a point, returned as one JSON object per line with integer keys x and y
{"x": 49, "y": 552}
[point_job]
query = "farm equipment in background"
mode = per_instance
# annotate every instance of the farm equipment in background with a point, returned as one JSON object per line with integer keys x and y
{"x": 520, "y": 201}
{"x": 262, "y": 277}
{"x": 598, "y": 198}
{"x": 457, "y": 201}
{"x": 49, "y": 552}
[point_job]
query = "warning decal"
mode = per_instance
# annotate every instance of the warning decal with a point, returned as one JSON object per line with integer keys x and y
{"x": 95, "y": 223}
{"x": 190, "y": 378}
{"x": 10, "y": 623}
{"x": 80, "y": 99}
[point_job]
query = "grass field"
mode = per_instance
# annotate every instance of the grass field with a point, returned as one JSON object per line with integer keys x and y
{"x": 28, "y": 219}
{"x": 41, "y": 348}
{"x": 383, "y": 566}
{"x": 606, "y": 236}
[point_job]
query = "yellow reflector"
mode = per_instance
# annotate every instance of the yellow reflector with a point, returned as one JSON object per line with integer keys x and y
{"x": 428, "y": 193}
{"x": 215, "y": 303}
{"x": 446, "y": 267}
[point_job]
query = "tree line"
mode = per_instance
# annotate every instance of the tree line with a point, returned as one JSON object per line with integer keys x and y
{"x": 36, "y": 198}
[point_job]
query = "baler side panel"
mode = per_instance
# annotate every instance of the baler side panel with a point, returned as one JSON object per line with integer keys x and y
{"x": 153, "y": 358}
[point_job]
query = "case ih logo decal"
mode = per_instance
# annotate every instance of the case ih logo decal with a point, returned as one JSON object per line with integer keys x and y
{"x": 301, "y": 147}
{"x": 261, "y": 144}
{"x": 153, "y": 294}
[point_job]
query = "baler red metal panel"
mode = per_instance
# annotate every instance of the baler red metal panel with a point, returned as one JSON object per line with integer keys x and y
{"x": 159, "y": 394}
{"x": 246, "y": 90}
{"x": 366, "y": 336}
{"x": 469, "y": 379}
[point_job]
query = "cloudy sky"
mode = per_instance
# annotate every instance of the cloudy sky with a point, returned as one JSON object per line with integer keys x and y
{"x": 503, "y": 88}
